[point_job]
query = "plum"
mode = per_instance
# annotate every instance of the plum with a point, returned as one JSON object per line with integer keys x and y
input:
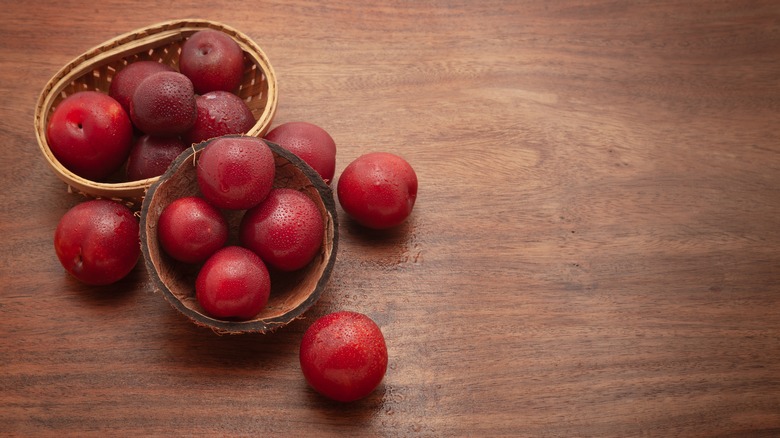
{"x": 236, "y": 173}
{"x": 310, "y": 143}
{"x": 343, "y": 355}
{"x": 212, "y": 60}
{"x": 125, "y": 81}
{"x": 97, "y": 241}
{"x": 164, "y": 104}
{"x": 378, "y": 190}
{"x": 191, "y": 230}
{"x": 90, "y": 134}
{"x": 285, "y": 230}
{"x": 219, "y": 113}
{"x": 233, "y": 284}
{"x": 150, "y": 156}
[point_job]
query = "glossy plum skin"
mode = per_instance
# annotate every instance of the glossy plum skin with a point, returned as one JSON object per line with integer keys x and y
{"x": 213, "y": 61}
{"x": 236, "y": 173}
{"x": 90, "y": 134}
{"x": 285, "y": 230}
{"x": 343, "y": 356}
{"x": 164, "y": 105}
{"x": 219, "y": 113}
{"x": 150, "y": 156}
{"x": 233, "y": 284}
{"x": 310, "y": 143}
{"x": 190, "y": 229}
{"x": 125, "y": 81}
{"x": 97, "y": 241}
{"x": 378, "y": 190}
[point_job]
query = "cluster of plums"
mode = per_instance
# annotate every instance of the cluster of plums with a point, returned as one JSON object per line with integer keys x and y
{"x": 281, "y": 227}
{"x": 152, "y": 112}
{"x": 343, "y": 354}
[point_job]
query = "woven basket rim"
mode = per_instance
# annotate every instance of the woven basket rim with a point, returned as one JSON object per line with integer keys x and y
{"x": 114, "y": 47}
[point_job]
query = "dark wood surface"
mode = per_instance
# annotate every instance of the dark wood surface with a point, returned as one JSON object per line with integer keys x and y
{"x": 595, "y": 250}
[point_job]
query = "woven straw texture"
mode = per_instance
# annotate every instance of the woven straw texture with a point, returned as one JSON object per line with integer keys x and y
{"x": 162, "y": 42}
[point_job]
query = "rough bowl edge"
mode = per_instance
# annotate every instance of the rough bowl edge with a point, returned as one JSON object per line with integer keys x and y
{"x": 259, "y": 326}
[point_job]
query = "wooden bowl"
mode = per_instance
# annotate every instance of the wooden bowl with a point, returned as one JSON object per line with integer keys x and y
{"x": 94, "y": 69}
{"x": 292, "y": 293}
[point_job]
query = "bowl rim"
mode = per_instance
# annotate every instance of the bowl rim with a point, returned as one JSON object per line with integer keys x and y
{"x": 117, "y": 47}
{"x": 253, "y": 326}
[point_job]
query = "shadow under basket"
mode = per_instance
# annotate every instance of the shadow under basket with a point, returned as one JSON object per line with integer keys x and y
{"x": 292, "y": 293}
{"x": 94, "y": 70}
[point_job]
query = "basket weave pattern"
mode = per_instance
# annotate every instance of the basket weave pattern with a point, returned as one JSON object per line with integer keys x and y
{"x": 94, "y": 70}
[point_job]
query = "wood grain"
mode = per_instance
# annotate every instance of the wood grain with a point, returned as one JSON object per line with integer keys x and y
{"x": 595, "y": 250}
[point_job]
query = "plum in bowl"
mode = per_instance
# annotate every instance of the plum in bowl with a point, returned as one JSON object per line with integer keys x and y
{"x": 292, "y": 293}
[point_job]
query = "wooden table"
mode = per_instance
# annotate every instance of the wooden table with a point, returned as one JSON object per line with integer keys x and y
{"x": 595, "y": 250}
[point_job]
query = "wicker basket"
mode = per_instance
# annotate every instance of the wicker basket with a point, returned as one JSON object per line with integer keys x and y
{"x": 161, "y": 42}
{"x": 292, "y": 293}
